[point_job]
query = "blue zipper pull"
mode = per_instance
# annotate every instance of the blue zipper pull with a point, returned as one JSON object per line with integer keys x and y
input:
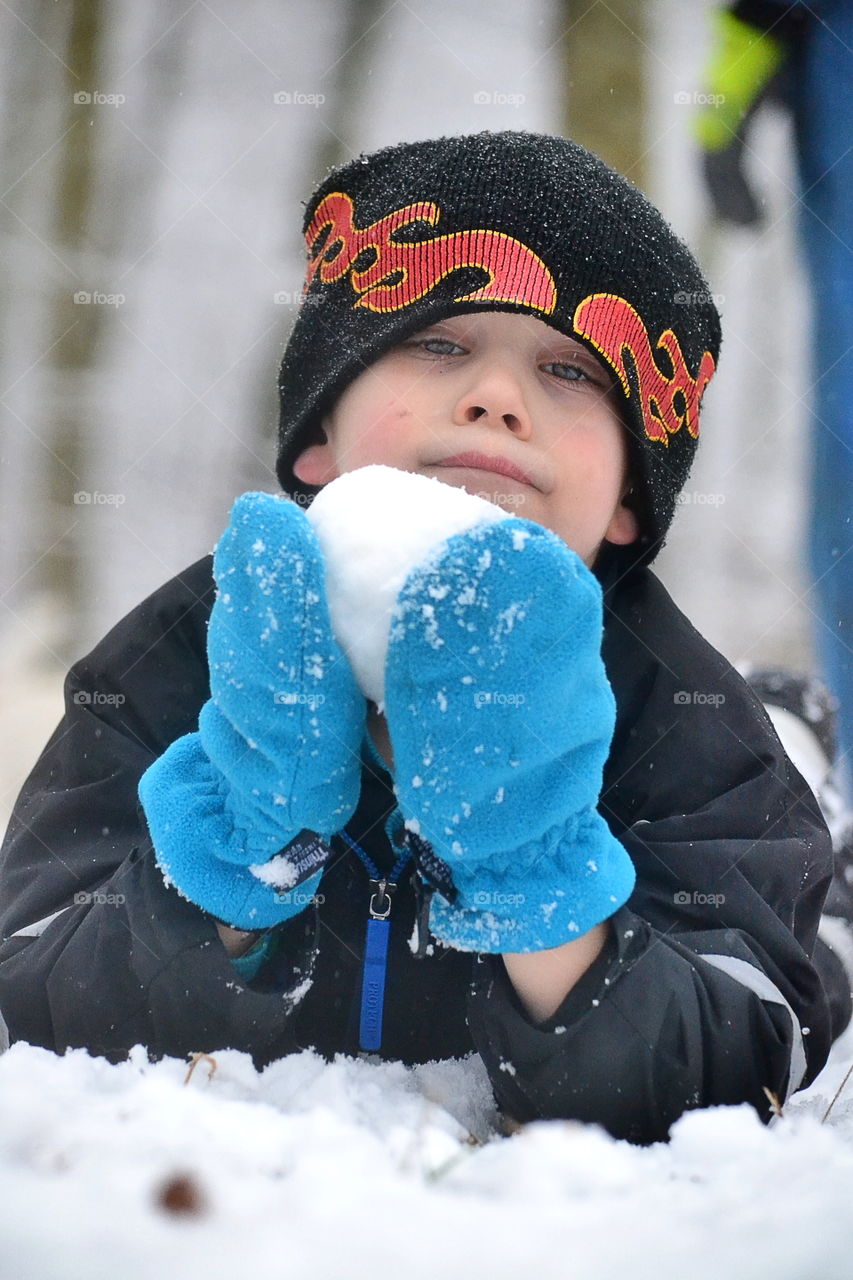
{"x": 375, "y": 964}
{"x": 378, "y": 934}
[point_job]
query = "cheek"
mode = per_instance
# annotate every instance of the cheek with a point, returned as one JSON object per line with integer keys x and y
{"x": 609, "y": 462}
{"x": 380, "y": 433}
{"x": 598, "y": 470}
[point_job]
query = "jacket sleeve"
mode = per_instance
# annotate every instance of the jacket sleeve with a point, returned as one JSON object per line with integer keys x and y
{"x": 95, "y": 950}
{"x": 706, "y": 992}
{"x": 782, "y": 18}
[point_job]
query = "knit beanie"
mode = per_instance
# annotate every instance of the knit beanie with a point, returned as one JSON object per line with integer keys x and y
{"x": 510, "y": 221}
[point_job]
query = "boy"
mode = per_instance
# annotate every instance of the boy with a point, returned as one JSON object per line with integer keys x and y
{"x": 429, "y": 878}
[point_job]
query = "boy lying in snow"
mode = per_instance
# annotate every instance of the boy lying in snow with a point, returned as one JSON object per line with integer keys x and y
{"x": 564, "y": 835}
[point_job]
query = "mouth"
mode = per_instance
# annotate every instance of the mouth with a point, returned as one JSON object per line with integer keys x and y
{"x": 488, "y": 462}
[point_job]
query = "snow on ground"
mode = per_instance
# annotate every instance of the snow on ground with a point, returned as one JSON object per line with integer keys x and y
{"x": 357, "y": 1168}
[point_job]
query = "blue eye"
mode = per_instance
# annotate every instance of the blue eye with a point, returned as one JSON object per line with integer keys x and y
{"x": 569, "y": 372}
{"x": 437, "y": 346}
{"x": 578, "y": 374}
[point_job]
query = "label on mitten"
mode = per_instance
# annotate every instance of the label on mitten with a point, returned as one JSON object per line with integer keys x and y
{"x": 433, "y": 869}
{"x": 297, "y": 861}
{"x": 306, "y": 854}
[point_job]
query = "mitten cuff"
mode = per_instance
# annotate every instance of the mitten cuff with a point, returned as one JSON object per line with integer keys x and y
{"x": 189, "y": 802}
{"x": 235, "y": 895}
{"x": 583, "y": 876}
{"x": 195, "y": 841}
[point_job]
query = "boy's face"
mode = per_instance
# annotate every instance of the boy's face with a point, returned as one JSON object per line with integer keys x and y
{"x": 489, "y": 390}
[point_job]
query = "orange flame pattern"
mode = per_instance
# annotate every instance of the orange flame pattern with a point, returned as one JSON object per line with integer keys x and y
{"x": 613, "y": 327}
{"x": 404, "y": 271}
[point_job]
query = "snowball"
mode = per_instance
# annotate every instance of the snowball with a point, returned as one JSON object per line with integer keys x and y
{"x": 374, "y": 526}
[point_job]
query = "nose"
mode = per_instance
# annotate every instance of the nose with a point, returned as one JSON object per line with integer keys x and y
{"x": 494, "y": 397}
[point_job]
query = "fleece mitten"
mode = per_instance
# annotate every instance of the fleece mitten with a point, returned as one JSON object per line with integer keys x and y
{"x": 240, "y": 813}
{"x": 500, "y": 716}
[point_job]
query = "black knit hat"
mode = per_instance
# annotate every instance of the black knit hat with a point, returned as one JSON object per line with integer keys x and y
{"x": 509, "y": 221}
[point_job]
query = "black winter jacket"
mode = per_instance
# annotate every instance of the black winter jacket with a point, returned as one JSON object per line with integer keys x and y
{"x": 706, "y": 992}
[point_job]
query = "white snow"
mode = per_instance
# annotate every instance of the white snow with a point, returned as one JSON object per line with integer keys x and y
{"x": 279, "y": 871}
{"x": 374, "y": 526}
{"x": 356, "y": 1168}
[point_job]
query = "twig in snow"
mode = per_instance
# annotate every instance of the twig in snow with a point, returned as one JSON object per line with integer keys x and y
{"x": 195, "y": 1059}
{"x": 837, "y": 1093}
{"x": 773, "y": 1099}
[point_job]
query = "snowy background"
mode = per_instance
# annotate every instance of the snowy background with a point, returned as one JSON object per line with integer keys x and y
{"x": 172, "y": 199}
{"x": 154, "y": 160}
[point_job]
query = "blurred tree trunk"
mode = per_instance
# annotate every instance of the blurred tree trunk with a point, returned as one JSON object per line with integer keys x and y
{"x": 36, "y": 101}
{"x": 77, "y": 325}
{"x": 605, "y": 52}
{"x": 361, "y": 23}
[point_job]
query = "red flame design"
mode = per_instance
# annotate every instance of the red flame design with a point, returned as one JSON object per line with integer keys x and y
{"x": 613, "y": 327}
{"x": 404, "y": 271}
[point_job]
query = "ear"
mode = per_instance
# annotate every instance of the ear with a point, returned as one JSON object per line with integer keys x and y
{"x": 624, "y": 527}
{"x": 316, "y": 464}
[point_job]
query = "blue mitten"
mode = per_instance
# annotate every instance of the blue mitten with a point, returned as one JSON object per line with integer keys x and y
{"x": 500, "y": 716}
{"x": 277, "y": 752}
